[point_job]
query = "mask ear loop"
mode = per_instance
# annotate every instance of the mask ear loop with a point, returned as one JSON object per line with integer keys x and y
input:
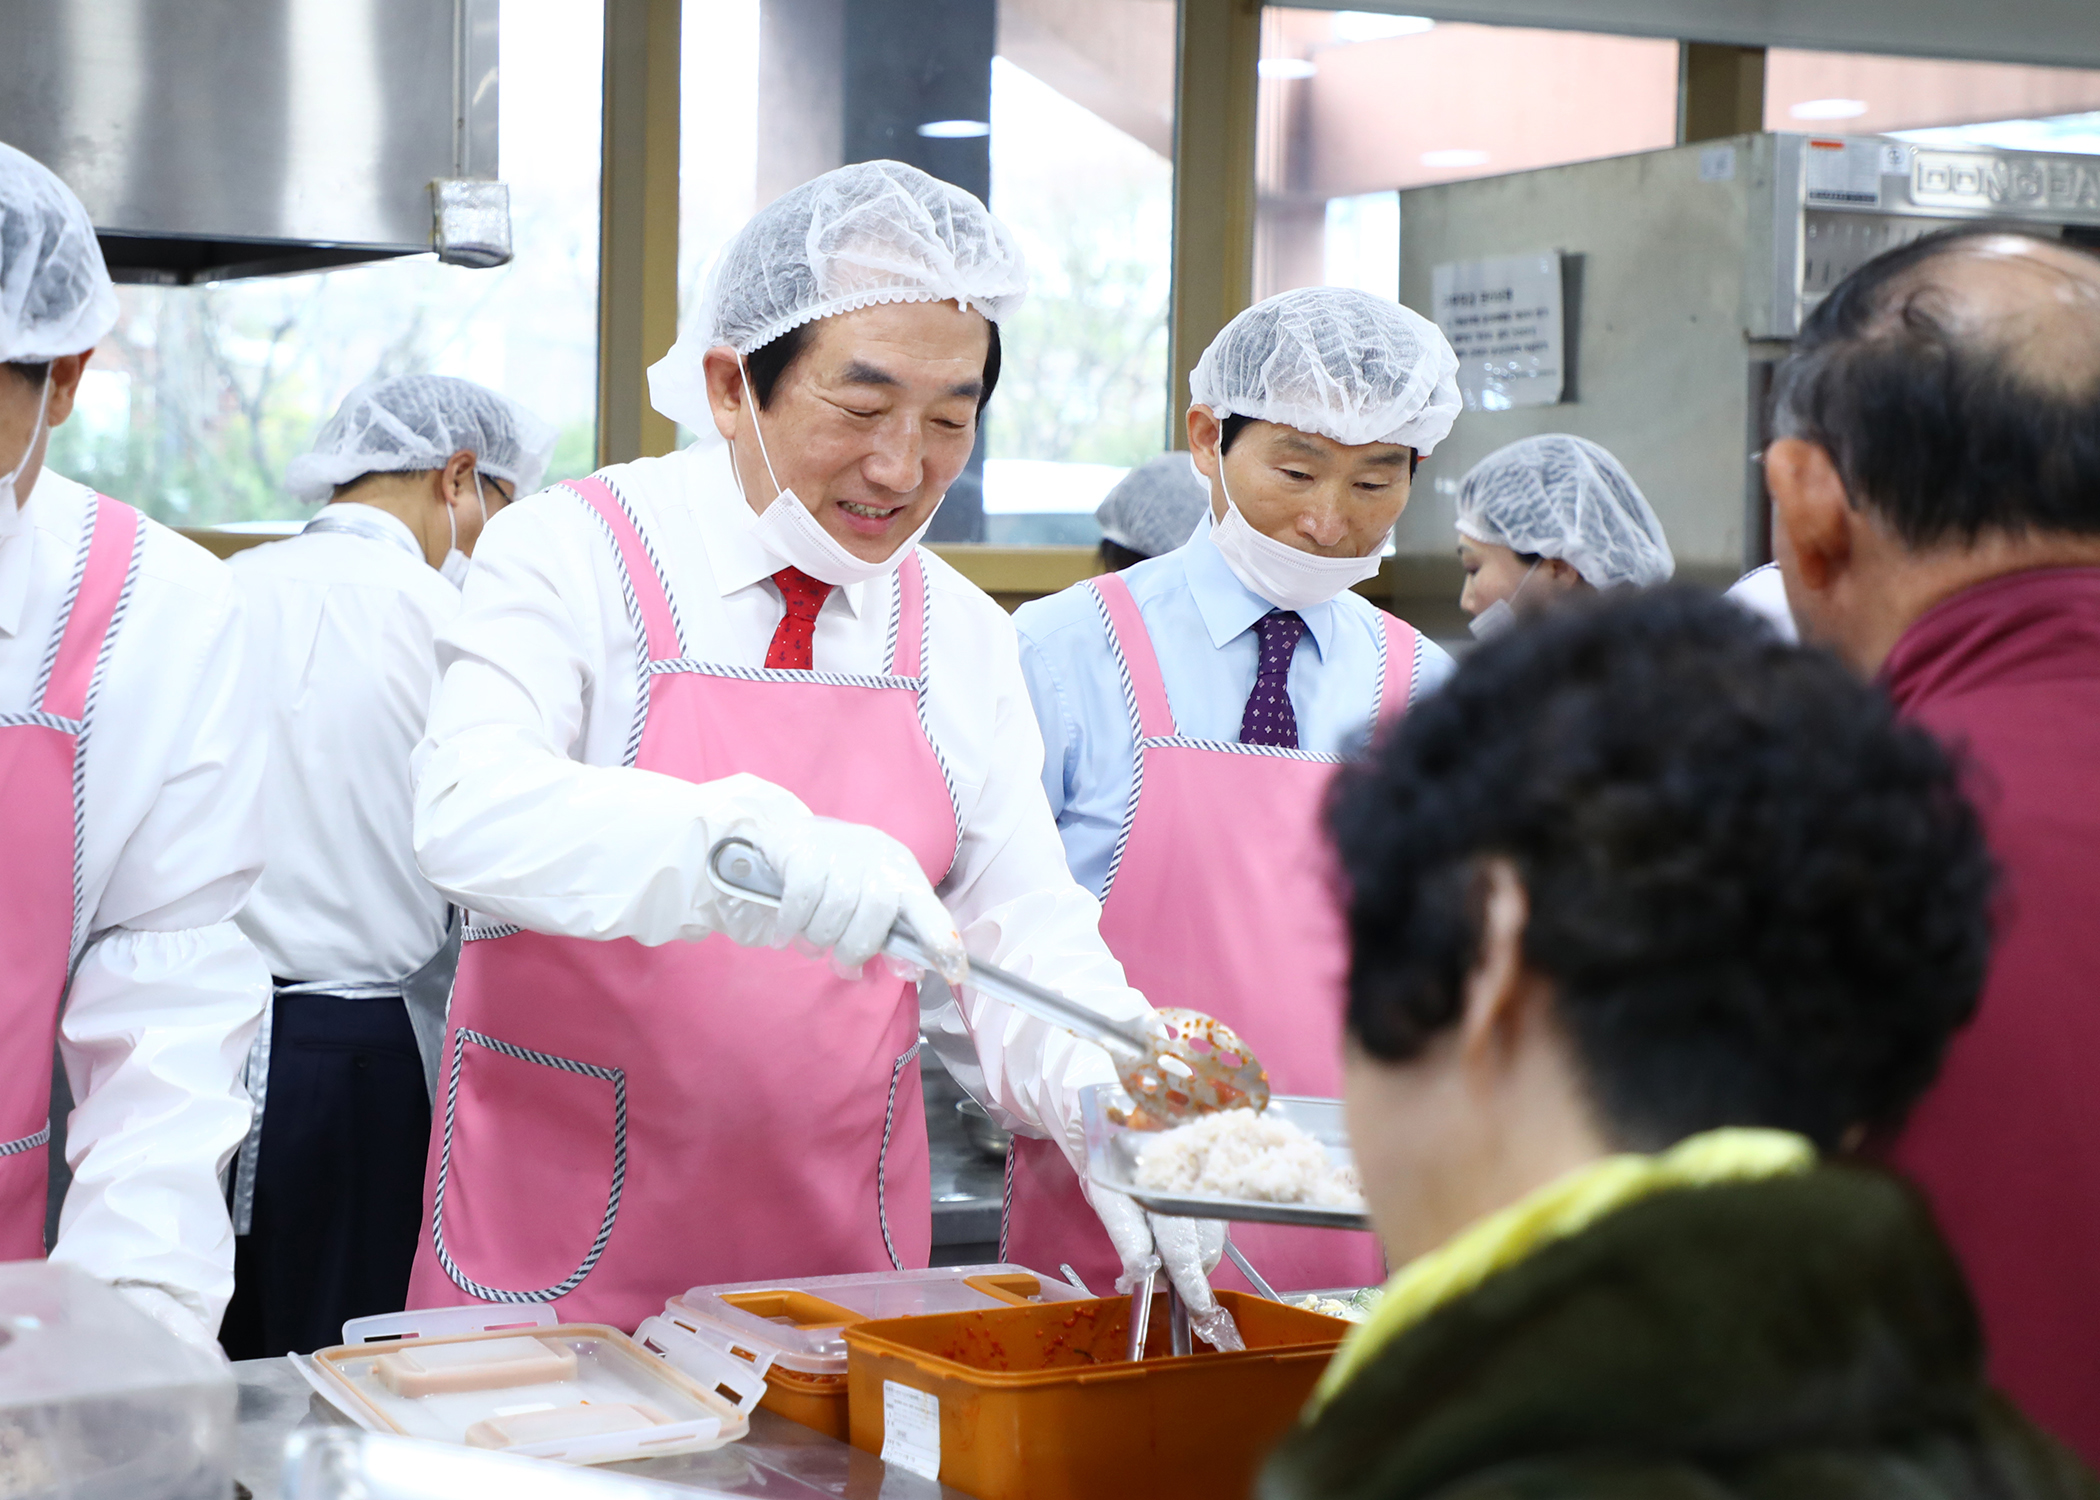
{"x": 757, "y": 429}
{"x": 36, "y": 433}
{"x": 1524, "y": 584}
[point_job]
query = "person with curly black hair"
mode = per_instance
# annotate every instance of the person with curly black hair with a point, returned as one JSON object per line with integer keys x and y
{"x": 1936, "y": 489}
{"x": 1651, "y": 916}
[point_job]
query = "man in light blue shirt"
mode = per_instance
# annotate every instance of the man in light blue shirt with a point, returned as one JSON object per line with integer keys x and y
{"x": 1194, "y": 708}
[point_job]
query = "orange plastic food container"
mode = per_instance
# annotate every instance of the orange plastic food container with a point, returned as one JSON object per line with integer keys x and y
{"x": 1039, "y": 1403}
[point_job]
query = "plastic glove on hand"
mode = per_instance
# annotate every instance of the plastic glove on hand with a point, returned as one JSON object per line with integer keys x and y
{"x": 1129, "y": 1231}
{"x": 1190, "y": 1248}
{"x": 843, "y": 886}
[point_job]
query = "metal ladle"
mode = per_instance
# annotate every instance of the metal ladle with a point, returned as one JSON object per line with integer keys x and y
{"x": 1175, "y": 1063}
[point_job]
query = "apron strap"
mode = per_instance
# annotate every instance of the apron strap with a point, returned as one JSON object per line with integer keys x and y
{"x": 1403, "y": 645}
{"x": 101, "y": 581}
{"x": 1153, "y": 718}
{"x": 659, "y": 625}
{"x": 908, "y": 651}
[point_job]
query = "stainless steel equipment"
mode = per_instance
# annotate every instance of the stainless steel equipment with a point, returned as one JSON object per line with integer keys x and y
{"x": 1685, "y": 273}
{"x": 225, "y": 138}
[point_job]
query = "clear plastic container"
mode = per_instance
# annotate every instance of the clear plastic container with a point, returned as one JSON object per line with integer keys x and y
{"x": 338, "y": 1463}
{"x": 792, "y": 1332}
{"x": 511, "y": 1380}
{"x": 99, "y": 1402}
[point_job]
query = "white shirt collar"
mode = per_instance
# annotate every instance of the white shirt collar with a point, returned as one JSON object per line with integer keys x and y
{"x": 727, "y": 526}
{"x": 18, "y": 556}
{"x": 372, "y": 522}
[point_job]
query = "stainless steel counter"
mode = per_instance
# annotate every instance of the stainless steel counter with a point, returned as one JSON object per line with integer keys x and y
{"x": 781, "y": 1460}
{"x": 967, "y": 1186}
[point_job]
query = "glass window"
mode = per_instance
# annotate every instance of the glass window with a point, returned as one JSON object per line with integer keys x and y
{"x": 201, "y": 395}
{"x": 1356, "y": 105}
{"x": 1061, "y": 115}
{"x": 1949, "y": 103}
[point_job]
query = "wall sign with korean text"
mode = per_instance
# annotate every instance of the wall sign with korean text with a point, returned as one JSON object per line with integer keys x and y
{"x": 1503, "y": 317}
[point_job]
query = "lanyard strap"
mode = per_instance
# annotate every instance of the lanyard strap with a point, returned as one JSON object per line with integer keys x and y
{"x": 344, "y": 522}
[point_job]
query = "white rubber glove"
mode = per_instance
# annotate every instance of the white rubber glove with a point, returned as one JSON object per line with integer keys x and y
{"x": 843, "y": 885}
{"x": 164, "y": 1308}
{"x": 1189, "y": 1249}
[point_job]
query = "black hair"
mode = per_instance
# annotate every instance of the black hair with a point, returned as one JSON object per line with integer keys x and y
{"x": 1234, "y": 424}
{"x": 1759, "y": 897}
{"x": 1115, "y": 557}
{"x": 32, "y": 371}
{"x": 768, "y": 362}
{"x": 1938, "y": 430}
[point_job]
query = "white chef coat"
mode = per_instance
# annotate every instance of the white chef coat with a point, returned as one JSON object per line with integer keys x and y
{"x": 343, "y": 628}
{"x": 526, "y": 814}
{"x": 168, "y": 992}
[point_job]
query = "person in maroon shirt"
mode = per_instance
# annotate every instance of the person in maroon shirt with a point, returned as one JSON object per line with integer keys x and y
{"x": 1937, "y": 494}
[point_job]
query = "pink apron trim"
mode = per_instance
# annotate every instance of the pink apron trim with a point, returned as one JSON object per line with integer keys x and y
{"x": 103, "y": 579}
{"x": 1155, "y": 718}
{"x": 40, "y": 896}
{"x": 658, "y": 623}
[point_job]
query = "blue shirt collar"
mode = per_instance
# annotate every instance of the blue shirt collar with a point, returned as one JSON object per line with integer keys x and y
{"x": 1229, "y": 608}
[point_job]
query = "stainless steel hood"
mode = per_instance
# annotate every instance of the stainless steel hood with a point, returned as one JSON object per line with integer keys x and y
{"x": 213, "y": 139}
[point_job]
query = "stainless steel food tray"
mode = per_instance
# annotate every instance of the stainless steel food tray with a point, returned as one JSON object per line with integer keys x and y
{"x": 1111, "y": 1156}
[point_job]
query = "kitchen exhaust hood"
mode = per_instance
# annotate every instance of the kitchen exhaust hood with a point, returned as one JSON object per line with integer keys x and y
{"x": 215, "y": 139}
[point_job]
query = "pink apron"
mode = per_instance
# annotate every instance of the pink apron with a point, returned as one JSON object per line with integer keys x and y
{"x": 41, "y": 754}
{"x": 620, "y": 1122}
{"x": 1260, "y": 945}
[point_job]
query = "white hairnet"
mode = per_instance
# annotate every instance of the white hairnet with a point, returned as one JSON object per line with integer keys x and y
{"x": 1561, "y": 496}
{"x": 1155, "y": 507}
{"x": 1336, "y": 361}
{"x": 415, "y": 422}
{"x": 876, "y": 231}
{"x": 55, "y": 295}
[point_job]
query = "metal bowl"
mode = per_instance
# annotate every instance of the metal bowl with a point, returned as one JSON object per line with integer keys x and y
{"x": 985, "y": 1136}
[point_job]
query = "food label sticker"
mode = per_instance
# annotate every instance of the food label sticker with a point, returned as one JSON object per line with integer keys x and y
{"x": 911, "y": 1429}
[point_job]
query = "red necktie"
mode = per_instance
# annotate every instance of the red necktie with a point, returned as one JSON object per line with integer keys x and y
{"x": 804, "y": 596}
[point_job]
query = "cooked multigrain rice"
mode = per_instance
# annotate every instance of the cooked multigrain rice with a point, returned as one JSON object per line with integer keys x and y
{"x": 1237, "y": 1153}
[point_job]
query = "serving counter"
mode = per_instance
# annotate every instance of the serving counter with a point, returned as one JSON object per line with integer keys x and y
{"x": 780, "y": 1459}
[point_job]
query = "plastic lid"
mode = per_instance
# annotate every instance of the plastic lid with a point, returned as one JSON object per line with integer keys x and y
{"x": 801, "y": 1322}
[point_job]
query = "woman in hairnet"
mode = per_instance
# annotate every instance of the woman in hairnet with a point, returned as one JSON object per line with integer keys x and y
{"x": 1196, "y": 706}
{"x": 1151, "y": 510}
{"x": 1548, "y": 515}
{"x": 130, "y": 826}
{"x": 343, "y": 620}
{"x": 648, "y": 1083}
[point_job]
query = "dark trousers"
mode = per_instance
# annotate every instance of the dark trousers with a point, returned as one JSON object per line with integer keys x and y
{"x": 338, "y": 1179}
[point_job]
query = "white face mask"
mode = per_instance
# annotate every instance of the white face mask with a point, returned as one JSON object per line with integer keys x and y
{"x": 1498, "y": 617}
{"x": 11, "y": 514}
{"x": 788, "y": 530}
{"x": 1279, "y": 572}
{"x": 454, "y": 568}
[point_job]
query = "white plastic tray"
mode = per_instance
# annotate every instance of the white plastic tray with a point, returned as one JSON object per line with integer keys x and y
{"x": 1112, "y": 1151}
{"x": 705, "y": 1395}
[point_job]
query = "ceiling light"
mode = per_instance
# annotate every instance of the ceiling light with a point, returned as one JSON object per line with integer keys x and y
{"x": 1370, "y": 26}
{"x": 1829, "y": 109}
{"x": 1456, "y": 158}
{"x": 1286, "y": 67}
{"x": 954, "y": 130}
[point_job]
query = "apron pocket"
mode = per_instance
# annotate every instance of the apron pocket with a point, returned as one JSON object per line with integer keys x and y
{"x": 530, "y": 1172}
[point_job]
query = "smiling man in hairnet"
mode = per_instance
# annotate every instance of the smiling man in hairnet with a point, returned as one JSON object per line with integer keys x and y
{"x": 130, "y": 824}
{"x": 344, "y": 620}
{"x": 649, "y": 1084}
{"x": 1195, "y": 708}
{"x": 1547, "y": 516}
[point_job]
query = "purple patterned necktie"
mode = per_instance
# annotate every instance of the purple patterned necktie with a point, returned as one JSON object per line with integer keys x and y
{"x": 1270, "y": 719}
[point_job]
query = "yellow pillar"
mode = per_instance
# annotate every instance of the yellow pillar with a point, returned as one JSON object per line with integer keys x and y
{"x": 1218, "y": 49}
{"x": 1720, "y": 91}
{"x": 638, "y": 224}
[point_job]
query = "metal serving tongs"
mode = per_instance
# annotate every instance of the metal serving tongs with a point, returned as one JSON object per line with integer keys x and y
{"x": 1175, "y": 1063}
